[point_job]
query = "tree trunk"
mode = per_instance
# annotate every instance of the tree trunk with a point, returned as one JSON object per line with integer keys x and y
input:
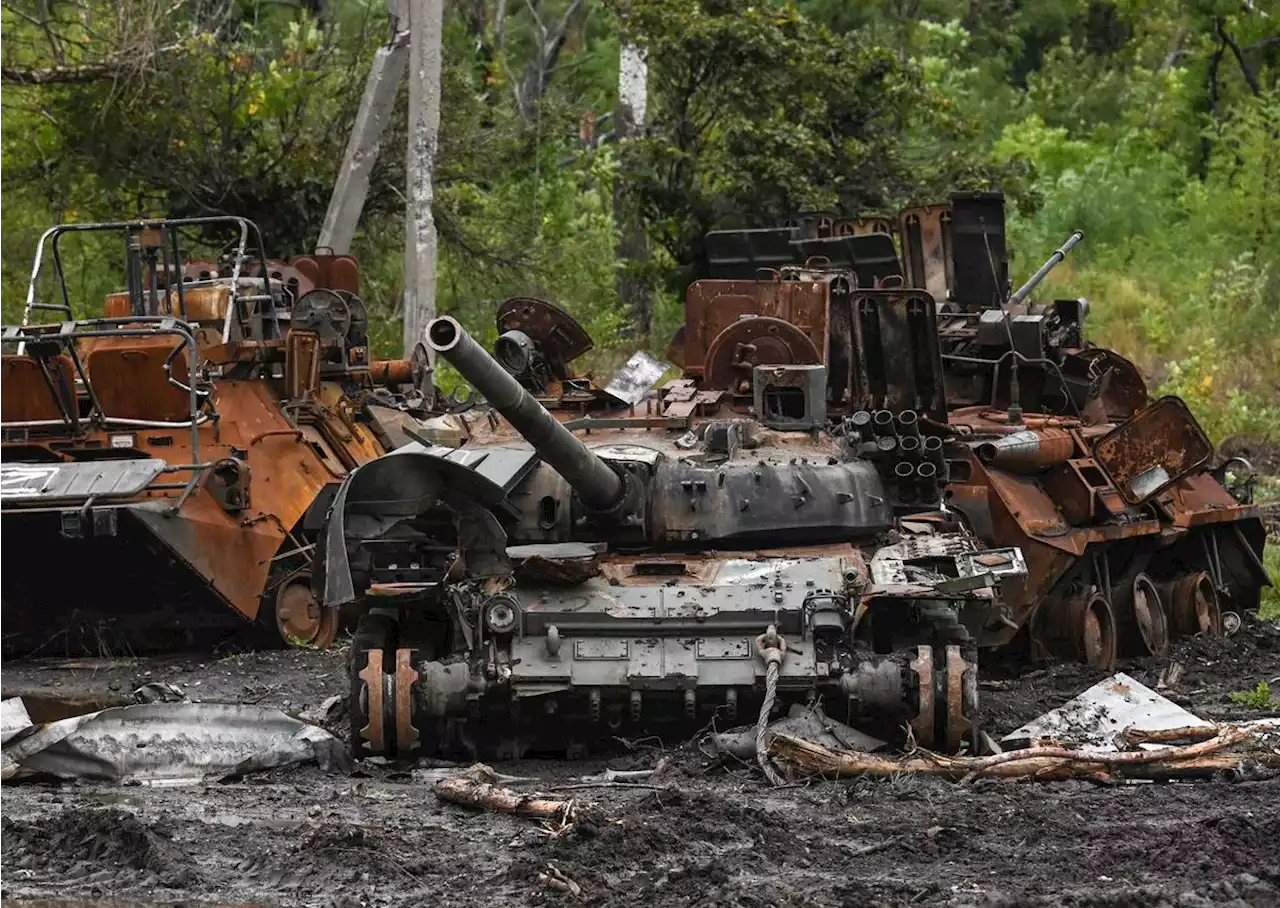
{"x": 633, "y": 243}
{"x": 426, "y": 21}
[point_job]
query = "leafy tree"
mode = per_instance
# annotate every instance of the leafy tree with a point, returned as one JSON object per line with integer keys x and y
{"x": 757, "y": 112}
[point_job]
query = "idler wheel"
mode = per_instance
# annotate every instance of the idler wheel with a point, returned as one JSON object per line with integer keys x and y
{"x": 300, "y": 619}
{"x": 1194, "y": 606}
{"x": 1145, "y": 627}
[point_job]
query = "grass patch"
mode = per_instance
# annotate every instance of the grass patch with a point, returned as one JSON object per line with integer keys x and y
{"x": 1258, "y": 698}
{"x": 1270, "y": 607}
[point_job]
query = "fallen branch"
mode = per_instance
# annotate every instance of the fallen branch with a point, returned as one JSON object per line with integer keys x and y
{"x": 503, "y": 800}
{"x": 1042, "y": 763}
{"x": 1132, "y": 737}
{"x": 555, "y": 878}
{"x": 628, "y": 775}
{"x": 473, "y": 789}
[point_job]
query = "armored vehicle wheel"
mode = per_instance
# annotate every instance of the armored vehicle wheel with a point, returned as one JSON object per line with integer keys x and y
{"x": 408, "y": 736}
{"x": 947, "y": 698}
{"x": 960, "y": 693}
{"x": 1194, "y": 606}
{"x": 370, "y": 731}
{"x": 1144, "y": 627}
{"x": 1081, "y": 628}
{"x": 299, "y": 617}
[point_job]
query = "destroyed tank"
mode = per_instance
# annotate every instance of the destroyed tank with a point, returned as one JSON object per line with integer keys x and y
{"x": 1132, "y": 532}
{"x": 591, "y": 564}
{"x": 167, "y": 464}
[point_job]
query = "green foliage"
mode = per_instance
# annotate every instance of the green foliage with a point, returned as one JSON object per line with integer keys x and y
{"x": 1258, "y": 698}
{"x": 757, "y": 112}
{"x": 1270, "y": 607}
{"x": 1134, "y": 122}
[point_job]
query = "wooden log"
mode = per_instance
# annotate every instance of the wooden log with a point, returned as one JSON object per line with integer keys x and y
{"x": 473, "y": 793}
{"x": 1132, "y": 737}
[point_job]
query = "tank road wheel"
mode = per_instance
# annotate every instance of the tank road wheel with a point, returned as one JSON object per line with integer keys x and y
{"x": 1081, "y": 629}
{"x": 960, "y": 690}
{"x": 922, "y": 726}
{"x": 300, "y": 619}
{"x": 370, "y": 686}
{"x": 1194, "y": 606}
{"x": 947, "y": 692}
{"x": 1097, "y": 623}
{"x": 1143, "y": 618}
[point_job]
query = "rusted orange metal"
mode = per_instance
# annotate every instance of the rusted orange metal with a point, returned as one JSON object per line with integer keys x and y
{"x": 711, "y": 306}
{"x": 275, "y": 424}
{"x": 391, "y": 372}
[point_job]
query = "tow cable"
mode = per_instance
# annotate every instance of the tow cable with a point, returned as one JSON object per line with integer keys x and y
{"x": 771, "y": 647}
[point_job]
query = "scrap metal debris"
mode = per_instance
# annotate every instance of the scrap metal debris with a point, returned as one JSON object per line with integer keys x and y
{"x": 1097, "y": 716}
{"x": 1116, "y": 730}
{"x": 13, "y": 718}
{"x": 634, "y": 379}
{"x": 166, "y": 744}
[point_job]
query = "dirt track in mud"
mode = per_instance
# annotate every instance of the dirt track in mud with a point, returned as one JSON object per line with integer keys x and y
{"x": 379, "y": 836}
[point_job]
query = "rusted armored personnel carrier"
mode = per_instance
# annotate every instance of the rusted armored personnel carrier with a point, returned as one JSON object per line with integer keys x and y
{"x": 1051, "y": 443}
{"x": 592, "y": 565}
{"x": 167, "y": 464}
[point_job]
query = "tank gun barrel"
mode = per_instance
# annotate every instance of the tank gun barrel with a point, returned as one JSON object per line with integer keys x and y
{"x": 595, "y": 482}
{"x": 1061, "y": 253}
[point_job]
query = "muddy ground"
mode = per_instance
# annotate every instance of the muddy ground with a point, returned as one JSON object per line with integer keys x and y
{"x": 379, "y": 837}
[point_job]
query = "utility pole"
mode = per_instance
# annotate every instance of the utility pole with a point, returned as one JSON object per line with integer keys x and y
{"x": 380, "y": 89}
{"x": 415, "y": 48}
{"x": 426, "y": 21}
{"x": 633, "y": 243}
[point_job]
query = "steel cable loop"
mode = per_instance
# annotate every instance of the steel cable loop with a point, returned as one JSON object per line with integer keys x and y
{"x": 771, "y": 647}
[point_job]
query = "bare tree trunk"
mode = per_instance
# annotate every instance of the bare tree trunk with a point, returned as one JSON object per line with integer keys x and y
{"x": 633, "y": 244}
{"x": 426, "y": 21}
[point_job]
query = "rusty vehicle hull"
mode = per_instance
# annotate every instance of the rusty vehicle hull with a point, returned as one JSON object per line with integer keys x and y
{"x": 160, "y": 461}
{"x": 1052, "y": 444}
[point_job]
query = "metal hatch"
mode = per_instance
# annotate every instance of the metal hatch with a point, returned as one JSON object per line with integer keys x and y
{"x": 33, "y": 484}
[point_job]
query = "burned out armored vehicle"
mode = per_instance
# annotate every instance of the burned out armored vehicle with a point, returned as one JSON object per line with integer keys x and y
{"x": 167, "y": 462}
{"x": 1052, "y": 444}
{"x": 599, "y": 564}
{"x": 1131, "y": 533}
